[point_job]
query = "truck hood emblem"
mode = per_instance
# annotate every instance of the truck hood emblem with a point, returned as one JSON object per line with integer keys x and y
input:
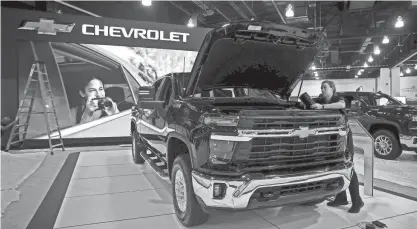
{"x": 304, "y": 132}
{"x": 47, "y": 26}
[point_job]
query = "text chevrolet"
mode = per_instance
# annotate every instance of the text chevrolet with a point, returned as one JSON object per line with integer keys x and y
{"x": 228, "y": 137}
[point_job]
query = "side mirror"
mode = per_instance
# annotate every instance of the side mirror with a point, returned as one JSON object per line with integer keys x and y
{"x": 146, "y": 93}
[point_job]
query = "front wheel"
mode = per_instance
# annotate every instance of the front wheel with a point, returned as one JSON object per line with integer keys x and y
{"x": 387, "y": 145}
{"x": 187, "y": 209}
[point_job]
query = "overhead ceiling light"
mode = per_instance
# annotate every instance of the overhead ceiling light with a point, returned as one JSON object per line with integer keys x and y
{"x": 225, "y": 25}
{"x": 377, "y": 51}
{"x": 365, "y": 65}
{"x": 289, "y": 11}
{"x": 370, "y": 59}
{"x": 399, "y": 23}
{"x": 191, "y": 23}
{"x": 408, "y": 71}
{"x": 401, "y": 74}
{"x": 147, "y": 2}
{"x": 415, "y": 67}
{"x": 313, "y": 67}
{"x": 252, "y": 19}
{"x": 385, "y": 40}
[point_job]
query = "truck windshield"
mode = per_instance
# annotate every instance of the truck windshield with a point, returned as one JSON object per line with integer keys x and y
{"x": 386, "y": 100}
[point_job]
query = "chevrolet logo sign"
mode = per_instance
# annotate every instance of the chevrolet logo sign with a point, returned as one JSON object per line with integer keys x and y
{"x": 47, "y": 26}
{"x": 304, "y": 132}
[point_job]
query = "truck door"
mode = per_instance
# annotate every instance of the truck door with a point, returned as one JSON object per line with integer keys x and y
{"x": 147, "y": 125}
{"x": 160, "y": 118}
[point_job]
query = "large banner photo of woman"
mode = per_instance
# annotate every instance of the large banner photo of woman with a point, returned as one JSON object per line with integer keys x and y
{"x": 95, "y": 86}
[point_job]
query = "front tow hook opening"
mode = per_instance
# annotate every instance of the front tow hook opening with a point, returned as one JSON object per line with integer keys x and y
{"x": 267, "y": 195}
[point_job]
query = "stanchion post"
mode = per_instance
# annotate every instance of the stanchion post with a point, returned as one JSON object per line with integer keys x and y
{"x": 364, "y": 140}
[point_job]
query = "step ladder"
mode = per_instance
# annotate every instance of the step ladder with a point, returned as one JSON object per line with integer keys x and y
{"x": 25, "y": 111}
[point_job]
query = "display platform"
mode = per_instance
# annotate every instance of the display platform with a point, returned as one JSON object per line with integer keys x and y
{"x": 105, "y": 189}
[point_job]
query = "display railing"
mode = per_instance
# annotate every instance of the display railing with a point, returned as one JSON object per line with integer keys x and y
{"x": 364, "y": 142}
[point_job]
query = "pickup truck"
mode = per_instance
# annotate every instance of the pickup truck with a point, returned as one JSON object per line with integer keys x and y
{"x": 226, "y": 135}
{"x": 392, "y": 123}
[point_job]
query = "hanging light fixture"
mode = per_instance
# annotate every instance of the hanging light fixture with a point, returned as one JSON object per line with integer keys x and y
{"x": 359, "y": 73}
{"x": 377, "y": 51}
{"x": 252, "y": 19}
{"x": 356, "y": 76}
{"x": 415, "y": 67}
{"x": 399, "y": 23}
{"x": 147, "y": 2}
{"x": 385, "y": 40}
{"x": 365, "y": 65}
{"x": 316, "y": 74}
{"x": 225, "y": 25}
{"x": 408, "y": 71}
{"x": 370, "y": 59}
{"x": 401, "y": 74}
{"x": 313, "y": 67}
{"x": 289, "y": 11}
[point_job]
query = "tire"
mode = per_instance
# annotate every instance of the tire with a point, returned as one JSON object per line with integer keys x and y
{"x": 387, "y": 145}
{"x": 137, "y": 148}
{"x": 314, "y": 202}
{"x": 190, "y": 212}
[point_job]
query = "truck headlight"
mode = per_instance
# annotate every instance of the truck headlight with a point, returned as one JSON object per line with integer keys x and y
{"x": 221, "y": 151}
{"x": 223, "y": 120}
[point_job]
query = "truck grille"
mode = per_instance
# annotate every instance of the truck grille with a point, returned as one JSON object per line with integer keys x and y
{"x": 257, "y": 123}
{"x": 287, "y": 190}
{"x": 292, "y": 152}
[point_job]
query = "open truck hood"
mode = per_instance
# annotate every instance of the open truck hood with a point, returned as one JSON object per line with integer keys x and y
{"x": 250, "y": 54}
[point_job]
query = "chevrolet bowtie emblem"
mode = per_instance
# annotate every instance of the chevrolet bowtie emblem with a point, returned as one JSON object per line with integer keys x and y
{"x": 304, "y": 132}
{"x": 47, "y": 26}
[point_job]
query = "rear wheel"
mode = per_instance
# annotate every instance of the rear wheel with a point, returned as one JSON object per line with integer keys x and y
{"x": 187, "y": 209}
{"x": 137, "y": 148}
{"x": 387, "y": 145}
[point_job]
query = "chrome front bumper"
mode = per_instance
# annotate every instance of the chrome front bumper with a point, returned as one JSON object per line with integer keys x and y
{"x": 239, "y": 192}
{"x": 408, "y": 141}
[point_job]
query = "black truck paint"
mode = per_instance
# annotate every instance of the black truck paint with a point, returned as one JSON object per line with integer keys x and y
{"x": 228, "y": 137}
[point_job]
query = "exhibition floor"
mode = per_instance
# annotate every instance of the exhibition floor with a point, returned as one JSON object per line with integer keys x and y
{"x": 105, "y": 189}
{"x": 108, "y": 191}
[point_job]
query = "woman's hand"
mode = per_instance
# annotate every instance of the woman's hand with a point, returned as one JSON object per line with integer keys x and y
{"x": 317, "y": 106}
{"x": 91, "y": 105}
